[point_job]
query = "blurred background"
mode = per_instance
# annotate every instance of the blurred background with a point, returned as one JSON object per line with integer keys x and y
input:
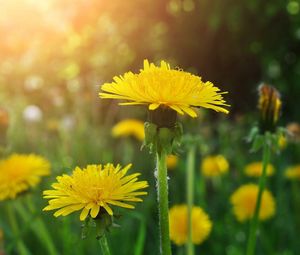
{"x": 55, "y": 54}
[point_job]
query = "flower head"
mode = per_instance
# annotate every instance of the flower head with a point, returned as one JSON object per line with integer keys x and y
{"x": 92, "y": 188}
{"x": 269, "y": 105}
{"x": 254, "y": 169}
{"x": 161, "y": 86}
{"x": 129, "y": 127}
{"x": 20, "y": 172}
{"x": 293, "y": 172}
{"x": 201, "y": 224}
{"x": 244, "y": 202}
{"x": 214, "y": 166}
{"x": 172, "y": 161}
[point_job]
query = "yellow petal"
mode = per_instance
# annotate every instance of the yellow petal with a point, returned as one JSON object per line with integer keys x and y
{"x": 84, "y": 214}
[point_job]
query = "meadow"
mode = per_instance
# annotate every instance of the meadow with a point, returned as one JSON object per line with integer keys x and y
{"x": 216, "y": 173}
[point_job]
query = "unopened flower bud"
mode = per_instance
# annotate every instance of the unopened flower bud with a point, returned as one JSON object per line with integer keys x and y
{"x": 269, "y": 105}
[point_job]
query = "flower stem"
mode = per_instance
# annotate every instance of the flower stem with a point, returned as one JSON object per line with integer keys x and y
{"x": 22, "y": 249}
{"x": 262, "y": 180}
{"x": 37, "y": 225}
{"x": 190, "y": 196}
{"x": 163, "y": 207}
{"x": 104, "y": 245}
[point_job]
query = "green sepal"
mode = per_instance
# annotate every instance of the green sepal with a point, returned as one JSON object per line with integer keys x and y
{"x": 257, "y": 144}
{"x": 178, "y": 131}
{"x": 253, "y": 133}
{"x": 165, "y": 139}
{"x": 103, "y": 224}
{"x": 150, "y": 136}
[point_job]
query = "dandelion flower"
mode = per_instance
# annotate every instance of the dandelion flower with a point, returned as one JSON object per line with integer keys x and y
{"x": 161, "y": 86}
{"x": 172, "y": 161}
{"x": 201, "y": 224}
{"x": 213, "y": 166}
{"x": 293, "y": 173}
{"x": 20, "y": 172}
{"x": 255, "y": 169}
{"x": 129, "y": 127}
{"x": 244, "y": 202}
{"x": 92, "y": 188}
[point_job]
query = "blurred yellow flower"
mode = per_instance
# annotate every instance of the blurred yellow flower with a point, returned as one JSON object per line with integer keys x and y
{"x": 254, "y": 169}
{"x": 129, "y": 127}
{"x": 92, "y": 188}
{"x": 201, "y": 225}
{"x": 20, "y": 172}
{"x": 244, "y": 202}
{"x": 293, "y": 172}
{"x": 172, "y": 161}
{"x": 282, "y": 142}
{"x": 214, "y": 166}
{"x": 162, "y": 86}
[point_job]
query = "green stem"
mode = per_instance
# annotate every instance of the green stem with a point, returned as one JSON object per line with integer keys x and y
{"x": 22, "y": 250}
{"x": 262, "y": 180}
{"x": 37, "y": 225}
{"x": 190, "y": 197}
{"x": 163, "y": 207}
{"x": 104, "y": 245}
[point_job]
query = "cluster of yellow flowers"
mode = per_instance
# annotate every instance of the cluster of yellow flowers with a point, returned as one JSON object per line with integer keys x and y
{"x": 97, "y": 188}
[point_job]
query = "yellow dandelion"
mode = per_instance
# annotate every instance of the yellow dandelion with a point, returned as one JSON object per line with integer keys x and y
{"x": 92, "y": 188}
{"x": 161, "y": 86}
{"x": 129, "y": 127}
{"x": 255, "y": 169}
{"x": 201, "y": 224}
{"x": 172, "y": 161}
{"x": 244, "y": 202}
{"x": 293, "y": 172}
{"x": 20, "y": 172}
{"x": 213, "y": 166}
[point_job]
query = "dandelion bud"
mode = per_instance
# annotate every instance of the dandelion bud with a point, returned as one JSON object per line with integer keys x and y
{"x": 269, "y": 105}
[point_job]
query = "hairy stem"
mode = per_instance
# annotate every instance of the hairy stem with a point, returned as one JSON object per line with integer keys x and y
{"x": 262, "y": 181}
{"x": 190, "y": 196}
{"x": 104, "y": 245}
{"x": 163, "y": 207}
